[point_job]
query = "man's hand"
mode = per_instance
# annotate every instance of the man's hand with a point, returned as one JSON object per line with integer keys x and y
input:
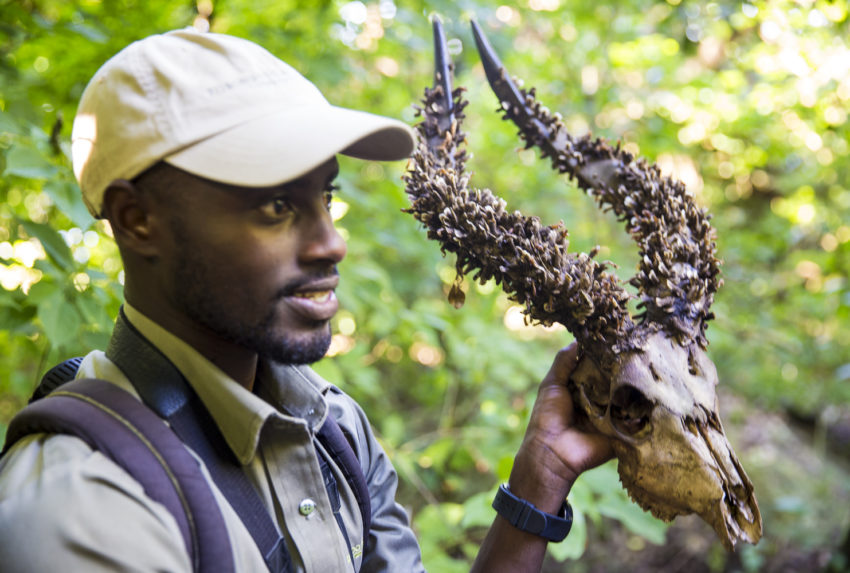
{"x": 554, "y": 451}
{"x": 552, "y": 455}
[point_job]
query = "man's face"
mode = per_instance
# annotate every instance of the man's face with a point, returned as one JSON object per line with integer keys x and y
{"x": 256, "y": 266}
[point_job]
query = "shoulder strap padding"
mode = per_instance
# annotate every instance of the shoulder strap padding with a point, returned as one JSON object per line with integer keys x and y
{"x": 56, "y": 376}
{"x": 114, "y": 422}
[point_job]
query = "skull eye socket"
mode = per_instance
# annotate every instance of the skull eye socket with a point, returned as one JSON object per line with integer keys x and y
{"x": 630, "y": 411}
{"x": 596, "y": 393}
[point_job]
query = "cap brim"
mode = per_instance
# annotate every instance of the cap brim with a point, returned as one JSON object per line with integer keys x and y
{"x": 277, "y": 148}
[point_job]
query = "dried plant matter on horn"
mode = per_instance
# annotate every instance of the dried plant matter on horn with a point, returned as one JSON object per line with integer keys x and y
{"x": 645, "y": 381}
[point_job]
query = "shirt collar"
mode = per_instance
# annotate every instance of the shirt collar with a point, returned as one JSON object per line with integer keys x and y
{"x": 289, "y": 394}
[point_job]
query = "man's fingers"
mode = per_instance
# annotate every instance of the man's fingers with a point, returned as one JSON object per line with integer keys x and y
{"x": 587, "y": 449}
{"x": 563, "y": 366}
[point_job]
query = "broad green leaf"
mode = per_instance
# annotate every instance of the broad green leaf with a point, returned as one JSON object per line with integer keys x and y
{"x": 478, "y": 510}
{"x": 15, "y": 317}
{"x": 68, "y": 199}
{"x": 93, "y": 312}
{"x": 574, "y": 545}
{"x": 602, "y": 479}
{"x": 635, "y": 519}
{"x": 60, "y": 319}
{"x": 24, "y": 161}
{"x": 8, "y": 124}
{"x": 53, "y": 243}
{"x": 42, "y": 290}
{"x": 329, "y": 370}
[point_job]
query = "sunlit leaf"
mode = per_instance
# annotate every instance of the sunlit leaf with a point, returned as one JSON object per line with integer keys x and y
{"x": 66, "y": 197}
{"x": 24, "y": 161}
{"x": 53, "y": 243}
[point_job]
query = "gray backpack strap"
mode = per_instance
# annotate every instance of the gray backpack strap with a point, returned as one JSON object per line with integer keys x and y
{"x": 168, "y": 396}
{"x": 164, "y": 390}
{"x": 115, "y": 423}
{"x": 340, "y": 449}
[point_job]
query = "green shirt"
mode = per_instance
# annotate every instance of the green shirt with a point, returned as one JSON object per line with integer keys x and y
{"x": 64, "y": 507}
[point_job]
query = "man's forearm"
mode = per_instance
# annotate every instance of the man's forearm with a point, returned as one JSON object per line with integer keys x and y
{"x": 508, "y": 549}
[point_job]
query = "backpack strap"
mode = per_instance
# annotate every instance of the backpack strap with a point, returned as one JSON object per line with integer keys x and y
{"x": 333, "y": 439}
{"x": 113, "y": 422}
{"x": 56, "y": 376}
{"x": 164, "y": 390}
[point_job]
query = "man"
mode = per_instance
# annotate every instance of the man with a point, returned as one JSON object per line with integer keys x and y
{"x": 213, "y": 162}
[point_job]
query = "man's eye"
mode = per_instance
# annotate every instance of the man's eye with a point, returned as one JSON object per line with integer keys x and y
{"x": 276, "y": 208}
{"x": 329, "y": 195}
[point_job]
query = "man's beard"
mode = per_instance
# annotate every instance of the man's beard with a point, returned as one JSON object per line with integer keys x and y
{"x": 222, "y": 316}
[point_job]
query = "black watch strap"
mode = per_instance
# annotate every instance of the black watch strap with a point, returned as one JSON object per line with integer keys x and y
{"x": 525, "y": 517}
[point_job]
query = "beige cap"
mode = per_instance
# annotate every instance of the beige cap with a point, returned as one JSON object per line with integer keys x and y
{"x": 217, "y": 106}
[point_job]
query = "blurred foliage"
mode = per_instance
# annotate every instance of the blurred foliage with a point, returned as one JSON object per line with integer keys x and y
{"x": 745, "y": 102}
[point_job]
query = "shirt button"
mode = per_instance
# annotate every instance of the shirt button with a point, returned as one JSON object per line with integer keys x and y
{"x": 306, "y": 507}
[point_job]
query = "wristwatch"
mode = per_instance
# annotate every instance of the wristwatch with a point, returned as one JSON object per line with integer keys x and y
{"x": 525, "y": 517}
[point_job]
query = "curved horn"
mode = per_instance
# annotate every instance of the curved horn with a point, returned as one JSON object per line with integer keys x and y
{"x": 678, "y": 271}
{"x": 528, "y": 259}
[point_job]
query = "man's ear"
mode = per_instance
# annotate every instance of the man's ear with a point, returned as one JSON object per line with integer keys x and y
{"x": 130, "y": 213}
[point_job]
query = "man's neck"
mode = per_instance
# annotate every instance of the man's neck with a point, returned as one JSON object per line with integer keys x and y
{"x": 236, "y": 361}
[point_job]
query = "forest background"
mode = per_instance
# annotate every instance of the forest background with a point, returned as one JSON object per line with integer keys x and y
{"x": 747, "y": 103}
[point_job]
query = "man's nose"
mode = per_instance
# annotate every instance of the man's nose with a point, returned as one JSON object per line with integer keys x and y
{"x": 321, "y": 240}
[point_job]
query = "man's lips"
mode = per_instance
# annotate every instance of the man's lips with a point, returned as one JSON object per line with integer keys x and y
{"x": 315, "y": 300}
{"x": 319, "y": 295}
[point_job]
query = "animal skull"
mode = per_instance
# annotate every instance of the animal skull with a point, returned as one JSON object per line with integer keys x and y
{"x": 660, "y": 407}
{"x": 648, "y": 384}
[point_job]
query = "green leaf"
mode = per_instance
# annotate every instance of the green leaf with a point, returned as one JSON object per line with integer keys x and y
{"x": 25, "y": 161}
{"x": 53, "y": 243}
{"x": 88, "y": 32}
{"x": 504, "y": 466}
{"x": 69, "y": 200}
{"x": 15, "y": 316}
{"x": 41, "y": 291}
{"x": 574, "y": 545}
{"x": 635, "y": 519}
{"x": 329, "y": 370}
{"x": 60, "y": 319}
{"x": 602, "y": 479}
{"x": 93, "y": 312}
{"x": 8, "y": 125}
{"x": 440, "y": 450}
{"x": 478, "y": 510}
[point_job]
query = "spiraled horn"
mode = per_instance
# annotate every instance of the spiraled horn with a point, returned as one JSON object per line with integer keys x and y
{"x": 678, "y": 271}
